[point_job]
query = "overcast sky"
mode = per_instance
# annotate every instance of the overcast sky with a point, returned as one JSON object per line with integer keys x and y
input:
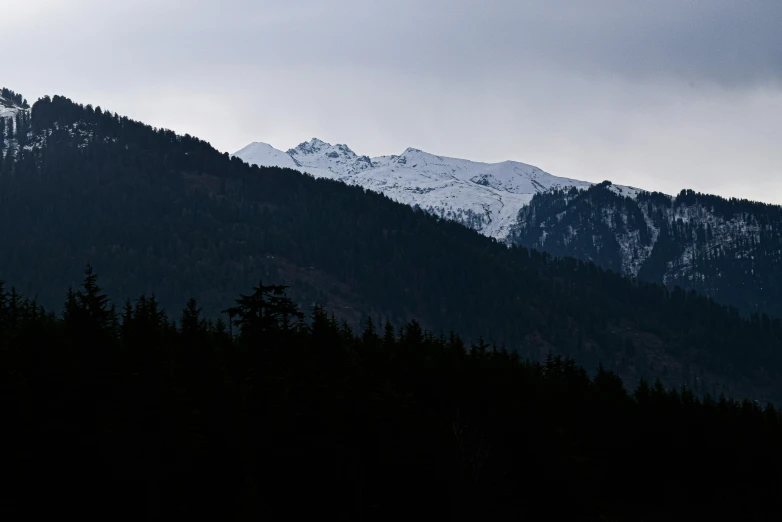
{"x": 663, "y": 95}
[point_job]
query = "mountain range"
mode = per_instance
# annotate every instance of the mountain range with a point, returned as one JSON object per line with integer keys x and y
{"x": 484, "y": 196}
{"x": 167, "y": 217}
{"x": 414, "y": 365}
{"x": 728, "y": 249}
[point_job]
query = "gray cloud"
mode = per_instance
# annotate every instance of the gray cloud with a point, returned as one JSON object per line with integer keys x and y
{"x": 662, "y": 94}
{"x": 725, "y": 42}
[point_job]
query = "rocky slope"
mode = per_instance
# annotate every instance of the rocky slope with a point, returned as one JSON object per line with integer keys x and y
{"x": 728, "y": 249}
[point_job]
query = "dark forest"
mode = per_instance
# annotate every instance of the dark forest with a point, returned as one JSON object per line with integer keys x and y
{"x": 132, "y": 414}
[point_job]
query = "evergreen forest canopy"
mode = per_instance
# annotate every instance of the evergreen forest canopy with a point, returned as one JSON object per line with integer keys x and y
{"x": 14, "y": 98}
{"x": 158, "y": 212}
{"x": 133, "y": 414}
{"x": 728, "y": 249}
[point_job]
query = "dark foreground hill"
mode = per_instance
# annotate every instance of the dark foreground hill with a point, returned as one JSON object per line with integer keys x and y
{"x": 131, "y": 417}
{"x": 158, "y": 212}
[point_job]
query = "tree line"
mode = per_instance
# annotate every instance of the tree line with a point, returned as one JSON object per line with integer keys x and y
{"x": 14, "y": 97}
{"x": 129, "y": 413}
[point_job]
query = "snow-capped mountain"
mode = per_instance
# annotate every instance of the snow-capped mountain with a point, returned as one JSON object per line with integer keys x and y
{"x": 727, "y": 249}
{"x": 483, "y": 196}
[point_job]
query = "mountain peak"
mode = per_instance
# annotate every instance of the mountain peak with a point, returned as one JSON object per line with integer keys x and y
{"x": 412, "y": 151}
{"x": 483, "y": 196}
{"x": 413, "y": 157}
{"x": 339, "y": 153}
{"x": 259, "y": 144}
{"x": 309, "y": 147}
{"x": 261, "y": 153}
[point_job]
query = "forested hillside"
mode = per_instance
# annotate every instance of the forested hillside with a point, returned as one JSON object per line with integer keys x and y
{"x": 139, "y": 415}
{"x": 13, "y": 98}
{"x": 730, "y": 250}
{"x": 158, "y": 212}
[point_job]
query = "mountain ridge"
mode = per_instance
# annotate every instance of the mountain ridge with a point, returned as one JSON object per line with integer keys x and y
{"x": 482, "y": 196}
{"x": 679, "y": 240}
{"x": 727, "y": 249}
{"x": 730, "y": 250}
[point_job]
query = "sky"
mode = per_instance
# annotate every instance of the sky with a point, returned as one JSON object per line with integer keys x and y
{"x": 662, "y": 95}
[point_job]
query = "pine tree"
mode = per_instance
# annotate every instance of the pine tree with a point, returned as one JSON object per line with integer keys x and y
{"x": 413, "y": 334}
{"x": 480, "y": 347}
{"x": 389, "y": 339}
{"x": 126, "y": 325}
{"x": 3, "y": 309}
{"x": 93, "y": 304}
{"x": 369, "y": 336}
{"x": 190, "y": 321}
{"x": 266, "y": 309}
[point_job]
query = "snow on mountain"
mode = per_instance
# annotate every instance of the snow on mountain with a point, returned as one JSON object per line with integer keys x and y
{"x": 483, "y": 196}
{"x": 8, "y": 113}
{"x": 15, "y": 117}
{"x": 266, "y": 155}
{"x": 8, "y": 109}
